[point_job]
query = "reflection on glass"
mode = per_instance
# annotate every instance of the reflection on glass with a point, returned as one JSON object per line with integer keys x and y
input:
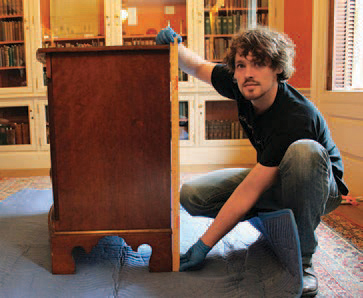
{"x": 143, "y": 19}
{"x": 68, "y": 23}
{"x": 47, "y": 124}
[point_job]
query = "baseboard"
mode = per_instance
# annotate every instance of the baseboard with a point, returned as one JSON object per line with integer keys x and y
{"x": 24, "y": 172}
{"x": 211, "y": 167}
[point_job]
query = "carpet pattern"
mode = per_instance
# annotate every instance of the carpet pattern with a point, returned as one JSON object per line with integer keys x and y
{"x": 9, "y": 186}
{"x": 346, "y": 228}
{"x": 338, "y": 261}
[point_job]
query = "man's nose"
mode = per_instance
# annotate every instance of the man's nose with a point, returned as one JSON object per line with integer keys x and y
{"x": 249, "y": 71}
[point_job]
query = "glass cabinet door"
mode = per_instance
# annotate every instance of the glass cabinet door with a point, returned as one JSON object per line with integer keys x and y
{"x": 224, "y": 18}
{"x": 12, "y": 45}
{"x": 184, "y": 120}
{"x": 69, "y": 23}
{"x": 143, "y": 19}
{"x": 15, "y": 124}
{"x": 221, "y": 121}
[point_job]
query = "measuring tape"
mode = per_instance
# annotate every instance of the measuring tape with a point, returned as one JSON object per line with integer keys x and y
{"x": 175, "y": 168}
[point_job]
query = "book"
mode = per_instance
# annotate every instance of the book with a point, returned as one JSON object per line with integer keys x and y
{"x": 224, "y": 25}
{"x": 218, "y": 25}
{"x": 10, "y": 136}
{"x": 230, "y": 25}
{"x": 207, "y": 26}
{"x": 25, "y": 133}
{"x": 18, "y": 134}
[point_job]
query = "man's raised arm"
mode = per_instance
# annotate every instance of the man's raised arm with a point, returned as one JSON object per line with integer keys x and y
{"x": 189, "y": 62}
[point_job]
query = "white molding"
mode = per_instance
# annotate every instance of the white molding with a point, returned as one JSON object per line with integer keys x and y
{"x": 276, "y": 14}
{"x": 319, "y": 49}
{"x": 24, "y": 160}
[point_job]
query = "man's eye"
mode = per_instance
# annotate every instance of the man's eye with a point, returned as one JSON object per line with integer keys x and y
{"x": 259, "y": 64}
{"x": 240, "y": 66}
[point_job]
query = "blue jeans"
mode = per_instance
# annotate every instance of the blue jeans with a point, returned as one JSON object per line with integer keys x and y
{"x": 305, "y": 185}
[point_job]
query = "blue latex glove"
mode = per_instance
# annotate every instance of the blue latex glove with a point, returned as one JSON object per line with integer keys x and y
{"x": 166, "y": 36}
{"x": 194, "y": 257}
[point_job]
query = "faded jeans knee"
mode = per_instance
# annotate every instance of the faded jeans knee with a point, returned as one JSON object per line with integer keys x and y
{"x": 306, "y": 179}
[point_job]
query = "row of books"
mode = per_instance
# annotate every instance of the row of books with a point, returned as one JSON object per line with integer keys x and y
{"x": 91, "y": 43}
{"x": 11, "y": 7}
{"x": 223, "y": 130}
{"x": 262, "y": 18}
{"x": 216, "y": 48}
{"x": 11, "y": 30}
{"x": 15, "y": 135}
{"x": 12, "y": 56}
{"x": 225, "y": 24}
{"x": 233, "y": 3}
{"x": 231, "y": 24}
{"x": 226, "y": 3}
{"x": 262, "y": 3}
{"x": 139, "y": 42}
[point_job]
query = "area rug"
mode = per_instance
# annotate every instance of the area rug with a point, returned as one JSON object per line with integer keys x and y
{"x": 348, "y": 229}
{"x": 9, "y": 185}
{"x": 114, "y": 270}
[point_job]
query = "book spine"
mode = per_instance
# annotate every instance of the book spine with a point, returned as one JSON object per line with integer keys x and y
{"x": 18, "y": 134}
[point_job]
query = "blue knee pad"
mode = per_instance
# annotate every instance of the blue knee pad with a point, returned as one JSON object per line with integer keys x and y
{"x": 280, "y": 230}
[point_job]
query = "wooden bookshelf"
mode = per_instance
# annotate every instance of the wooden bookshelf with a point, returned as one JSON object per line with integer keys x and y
{"x": 221, "y": 23}
{"x": 12, "y": 45}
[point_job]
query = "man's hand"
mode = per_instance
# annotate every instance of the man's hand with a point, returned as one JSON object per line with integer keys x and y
{"x": 166, "y": 36}
{"x": 194, "y": 257}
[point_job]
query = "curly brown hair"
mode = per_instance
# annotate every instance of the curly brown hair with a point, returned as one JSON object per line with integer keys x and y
{"x": 266, "y": 45}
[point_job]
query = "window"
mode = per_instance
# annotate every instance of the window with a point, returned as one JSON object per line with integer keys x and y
{"x": 347, "y": 43}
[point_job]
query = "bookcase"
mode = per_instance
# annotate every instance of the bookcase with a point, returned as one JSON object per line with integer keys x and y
{"x": 207, "y": 136}
{"x": 12, "y": 45}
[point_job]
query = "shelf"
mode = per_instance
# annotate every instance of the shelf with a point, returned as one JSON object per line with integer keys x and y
{"x": 15, "y": 16}
{"x": 148, "y": 36}
{"x": 219, "y": 35}
{"x": 55, "y": 39}
{"x": 12, "y": 67}
{"x": 11, "y": 42}
{"x": 228, "y": 9}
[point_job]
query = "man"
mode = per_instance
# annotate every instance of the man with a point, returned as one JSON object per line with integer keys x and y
{"x": 298, "y": 165}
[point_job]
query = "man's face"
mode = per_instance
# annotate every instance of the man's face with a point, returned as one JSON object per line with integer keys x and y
{"x": 255, "y": 80}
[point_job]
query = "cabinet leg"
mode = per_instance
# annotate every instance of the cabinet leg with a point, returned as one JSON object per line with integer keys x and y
{"x": 161, "y": 258}
{"x": 62, "y": 259}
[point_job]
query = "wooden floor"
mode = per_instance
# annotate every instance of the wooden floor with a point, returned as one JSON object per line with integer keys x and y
{"x": 353, "y": 213}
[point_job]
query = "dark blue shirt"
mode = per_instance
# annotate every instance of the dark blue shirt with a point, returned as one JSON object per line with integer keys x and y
{"x": 290, "y": 118}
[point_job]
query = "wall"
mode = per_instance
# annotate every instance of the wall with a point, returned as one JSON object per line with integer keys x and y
{"x": 298, "y": 26}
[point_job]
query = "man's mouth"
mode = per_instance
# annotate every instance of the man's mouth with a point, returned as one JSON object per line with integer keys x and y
{"x": 250, "y": 84}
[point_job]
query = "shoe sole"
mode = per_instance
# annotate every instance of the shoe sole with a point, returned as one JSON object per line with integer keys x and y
{"x": 310, "y": 294}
